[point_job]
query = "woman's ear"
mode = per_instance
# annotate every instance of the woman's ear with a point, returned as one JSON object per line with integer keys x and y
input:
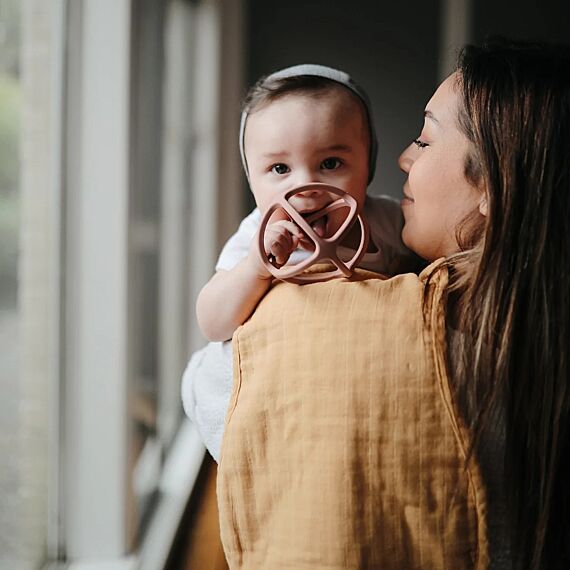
{"x": 483, "y": 205}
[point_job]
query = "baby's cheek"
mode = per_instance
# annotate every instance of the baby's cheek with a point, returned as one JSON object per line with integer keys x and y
{"x": 358, "y": 192}
{"x": 278, "y": 215}
{"x": 360, "y": 203}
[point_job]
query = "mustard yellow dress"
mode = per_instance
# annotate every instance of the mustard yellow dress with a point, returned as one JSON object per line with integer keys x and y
{"x": 343, "y": 447}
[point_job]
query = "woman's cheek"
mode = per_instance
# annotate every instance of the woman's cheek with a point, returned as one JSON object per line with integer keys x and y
{"x": 420, "y": 178}
{"x": 416, "y": 180}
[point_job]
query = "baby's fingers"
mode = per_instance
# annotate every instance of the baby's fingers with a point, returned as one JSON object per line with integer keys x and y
{"x": 280, "y": 247}
{"x": 280, "y": 242}
{"x": 291, "y": 227}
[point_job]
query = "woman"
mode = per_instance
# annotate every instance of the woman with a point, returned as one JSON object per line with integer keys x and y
{"x": 488, "y": 190}
{"x": 509, "y": 285}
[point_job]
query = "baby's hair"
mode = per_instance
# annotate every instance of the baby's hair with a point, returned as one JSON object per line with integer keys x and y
{"x": 306, "y": 80}
{"x": 268, "y": 89}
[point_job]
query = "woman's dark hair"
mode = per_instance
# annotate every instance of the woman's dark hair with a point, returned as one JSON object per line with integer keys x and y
{"x": 514, "y": 304}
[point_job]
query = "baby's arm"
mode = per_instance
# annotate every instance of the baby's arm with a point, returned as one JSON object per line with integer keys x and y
{"x": 229, "y": 298}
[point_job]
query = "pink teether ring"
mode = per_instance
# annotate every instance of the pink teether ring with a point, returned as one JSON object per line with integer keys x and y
{"x": 325, "y": 247}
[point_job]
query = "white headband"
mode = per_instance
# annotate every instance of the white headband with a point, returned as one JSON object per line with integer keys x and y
{"x": 336, "y": 75}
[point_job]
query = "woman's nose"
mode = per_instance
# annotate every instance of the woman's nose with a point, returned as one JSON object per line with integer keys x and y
{"x": 406, "y": 159}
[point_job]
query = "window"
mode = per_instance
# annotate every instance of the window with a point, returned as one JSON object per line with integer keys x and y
{"x": 110, "y": 122}
{"x": 142, "y": 115}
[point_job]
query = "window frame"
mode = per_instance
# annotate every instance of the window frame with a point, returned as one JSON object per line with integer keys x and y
{"x": 89, "y": 522}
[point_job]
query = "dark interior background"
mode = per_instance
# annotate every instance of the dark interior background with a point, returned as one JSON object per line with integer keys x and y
{"x": 391, "y": 48}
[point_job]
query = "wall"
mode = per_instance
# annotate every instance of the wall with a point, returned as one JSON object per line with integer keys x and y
{"x": 525, "y": 19}
{"x": 391, "y": 48}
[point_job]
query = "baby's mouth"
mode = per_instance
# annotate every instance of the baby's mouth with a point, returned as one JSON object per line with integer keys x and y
{"x": 319, "y": 223}
{"x": 319, "y": 226}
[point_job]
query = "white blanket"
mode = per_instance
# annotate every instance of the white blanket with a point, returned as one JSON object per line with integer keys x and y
{"x": 206, "y": 391}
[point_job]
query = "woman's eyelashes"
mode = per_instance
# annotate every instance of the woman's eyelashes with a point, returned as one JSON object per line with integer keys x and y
{"x": 419, "y": 143}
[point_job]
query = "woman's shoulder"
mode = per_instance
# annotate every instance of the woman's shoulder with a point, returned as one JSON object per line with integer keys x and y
{"x": 436, "y": 269}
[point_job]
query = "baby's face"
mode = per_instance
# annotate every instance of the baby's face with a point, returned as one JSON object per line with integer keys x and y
{"x": 300, "y": 139}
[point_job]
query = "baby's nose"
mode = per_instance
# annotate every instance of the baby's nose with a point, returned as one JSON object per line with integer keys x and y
{"x": 311, "y": 192}
{"x": 303, "y": 176}
{"x": 312, "y": 199}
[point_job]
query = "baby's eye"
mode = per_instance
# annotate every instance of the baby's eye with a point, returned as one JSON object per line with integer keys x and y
{"x": 330, "y": 163}
{"x": 280, "y": 168}
{"x": 419, "y": 143}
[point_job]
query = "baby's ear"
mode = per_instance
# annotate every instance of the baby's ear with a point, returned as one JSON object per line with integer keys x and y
{"x": 483, "y": 205}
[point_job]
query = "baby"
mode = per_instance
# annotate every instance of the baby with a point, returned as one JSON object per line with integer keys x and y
{"x": 301, "y": 125}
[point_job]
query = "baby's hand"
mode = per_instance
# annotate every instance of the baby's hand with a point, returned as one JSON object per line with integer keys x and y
{"x": 281, "y": 239}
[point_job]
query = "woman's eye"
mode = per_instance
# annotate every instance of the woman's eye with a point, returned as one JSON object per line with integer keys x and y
{"x": 419, "y": 143}
{"x": 330, "y": 163}
{"x": 280, "y": 168}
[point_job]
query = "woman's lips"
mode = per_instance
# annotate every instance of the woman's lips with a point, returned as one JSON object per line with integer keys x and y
{"x": 407, "y": 199}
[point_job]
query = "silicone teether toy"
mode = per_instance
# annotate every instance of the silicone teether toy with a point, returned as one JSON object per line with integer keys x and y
{"x": 325, "y": 247}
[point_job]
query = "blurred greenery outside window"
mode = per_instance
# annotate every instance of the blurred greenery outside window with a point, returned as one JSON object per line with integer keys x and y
{"x": 23, "y": 440}
{"x": 9, "y": 152}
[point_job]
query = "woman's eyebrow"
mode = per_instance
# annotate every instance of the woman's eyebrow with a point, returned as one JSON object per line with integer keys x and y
{"x": 430, "y": 115}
